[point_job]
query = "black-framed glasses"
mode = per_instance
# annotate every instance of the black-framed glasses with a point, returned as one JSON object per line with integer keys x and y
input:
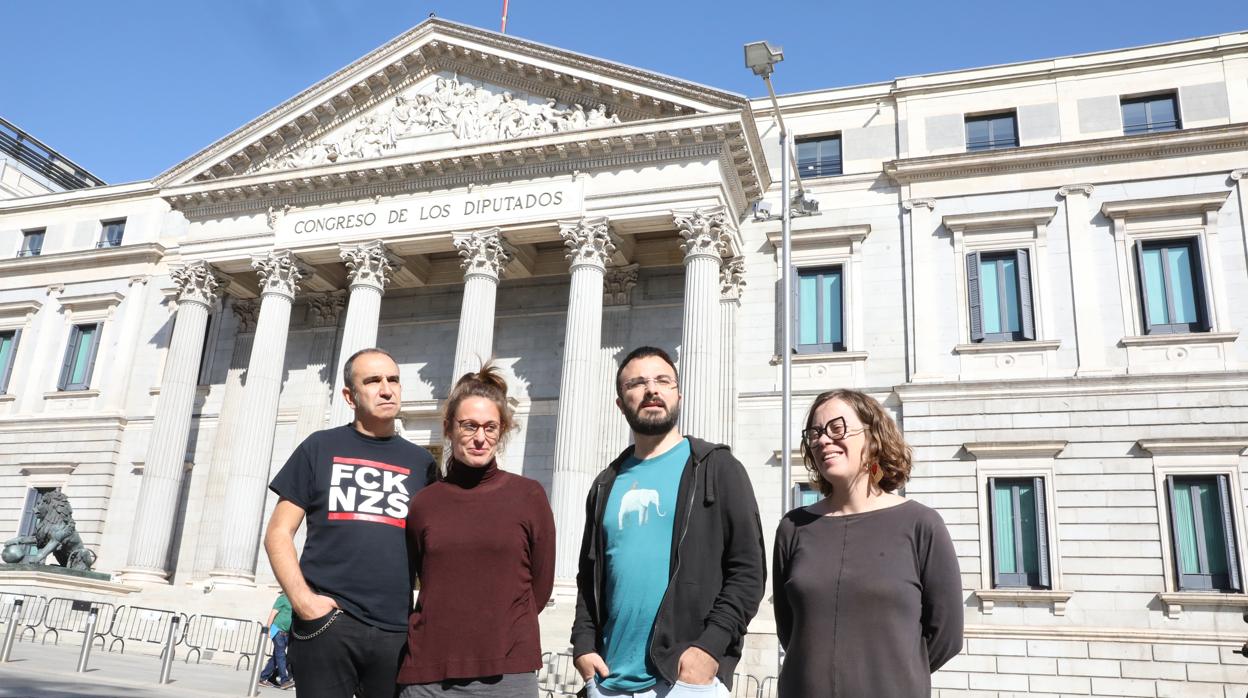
{"x": 659, "y": 382}
{"x": 469, "y": 428}
{"x": 834, "y": 429}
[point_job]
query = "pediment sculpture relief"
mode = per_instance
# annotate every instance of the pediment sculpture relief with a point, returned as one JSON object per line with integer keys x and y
{"x": 456, "y": 110}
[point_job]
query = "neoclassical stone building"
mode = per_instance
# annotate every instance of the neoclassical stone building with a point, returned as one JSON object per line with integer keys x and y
{"x": 1040, "y": 268}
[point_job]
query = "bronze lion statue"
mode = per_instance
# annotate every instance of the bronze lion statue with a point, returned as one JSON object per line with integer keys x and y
{"x": 55, "y": 534}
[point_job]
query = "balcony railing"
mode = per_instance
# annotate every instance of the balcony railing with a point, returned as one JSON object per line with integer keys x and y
{"x": 27, "y": 150}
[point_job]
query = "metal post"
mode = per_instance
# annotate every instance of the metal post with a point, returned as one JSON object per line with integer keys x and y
{"x": 88, "y": 638}
{"x": 253, "y": 688}
{"x": 166, "y": 664}
{"x": 11, "y": 633}
{"x": 786, "y": 350}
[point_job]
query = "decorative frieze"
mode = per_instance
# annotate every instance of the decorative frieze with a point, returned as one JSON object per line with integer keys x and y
{"x": 483, "y": 252}
{"x": 370, "y": 264}
{"x": 589, "y": 241}
{"x": 198, "y": 282}
{"x": 280, "y": 272}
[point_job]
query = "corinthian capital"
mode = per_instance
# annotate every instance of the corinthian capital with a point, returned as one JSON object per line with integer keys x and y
{"x": 618, "y": 283}
{"x": 280, "y": 272}
{"x": 703, "y": 232}
{"x": 198, "y": 282}
{"x": 589, "y": 242}
{"x": 731, "y": 278}
{"x": 247, "y": 311}
{"x": 370, "y": 264}
{"x": 483, "y": 252}
{"x": 324, "y": 308}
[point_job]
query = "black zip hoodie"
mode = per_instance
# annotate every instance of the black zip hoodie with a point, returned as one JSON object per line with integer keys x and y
{"x": 718, "y": 566}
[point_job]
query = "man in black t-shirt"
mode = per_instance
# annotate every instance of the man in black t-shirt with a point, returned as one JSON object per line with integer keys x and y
{"x": 351, "y": 591}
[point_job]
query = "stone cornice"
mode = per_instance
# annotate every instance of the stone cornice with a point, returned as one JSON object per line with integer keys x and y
{"x": 1196, "y": 445}
{"x": 995, "y": 220}
{"x": 1166, "y": 205}
{"x": 1084, "y": 385}
{"x": 821, "y": 236}
{"x": 1014, "y": 449}
{"x": 19, "y": 310}
{"x": 561, "y": 153}
{"x": 438, "y": 44}
{"x": 76, "y": 197}
{"x": 1146, "y": 146}
{"x": 150, "y": 252}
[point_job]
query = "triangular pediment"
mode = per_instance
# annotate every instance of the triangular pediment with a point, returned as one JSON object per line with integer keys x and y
{"x": 440, "y": 86}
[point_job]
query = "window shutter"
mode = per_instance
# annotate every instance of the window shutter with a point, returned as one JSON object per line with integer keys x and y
{"x": 794, "y": 310}
{"x": 780, "y": 314}
{"x": 1198, "y": 287}
{"x": 974, "y": 304}
{"x": 1026, "y": 317}
{"x": 26, "y": 527}
{"x": 95, "y": 349}
{"x": 6, "y": 371}
{"x": 1042, "y": 533}
{"x": 1141, "y": 284}
{"x": 1228, "y": 534}
{"x": 1174, "y": 529}
{"x": 992, "y": 532}
{"x": 67, "y": 366}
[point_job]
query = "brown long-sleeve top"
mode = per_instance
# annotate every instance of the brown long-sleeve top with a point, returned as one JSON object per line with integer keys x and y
{"x": 483, "y": 543}
{"x": 866, "y": 604}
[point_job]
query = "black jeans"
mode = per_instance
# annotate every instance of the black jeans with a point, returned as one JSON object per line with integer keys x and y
{"x": 348, "y": 658}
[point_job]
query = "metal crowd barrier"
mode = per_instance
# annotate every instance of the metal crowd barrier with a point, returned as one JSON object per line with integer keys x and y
{"x": 558, "y": 677}
{"x": 212, "y": 634}
{"x": 769, "y": 688}
{"x": 145, "y": 625}
{"x": 745, "y": 686}
{"x": 63, "y": 614}
{"x": 31, "y": 615}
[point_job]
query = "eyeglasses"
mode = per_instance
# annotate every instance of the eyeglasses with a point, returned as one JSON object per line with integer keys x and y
{"x": 469, "y": 429}
{"x": 659, "y": 382}
{"x": 834, "y": 429}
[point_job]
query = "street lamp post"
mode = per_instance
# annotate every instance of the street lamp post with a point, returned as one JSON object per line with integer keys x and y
{"x": 761, "y": 58}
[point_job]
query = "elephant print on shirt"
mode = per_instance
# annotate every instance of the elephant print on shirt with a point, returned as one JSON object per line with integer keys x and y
{"x": 639, "y": 501}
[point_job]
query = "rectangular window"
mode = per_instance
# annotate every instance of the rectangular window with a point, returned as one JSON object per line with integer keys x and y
{"x": 1020, "y": 539}
{"x": 110, "y": 235}
{"x": 1150, "y": 114}
{"x": 8, "y": 350}
{"x": 991, "y": 131}
{"x": 805, "y": 494}
{"x": 820, "y": 310}
{"x": 32, "y": 243}
{"x": 819, "y": 157}
{"x": 1202, "y": 528}
{"x": 30, "y": 521}
{"x": 84, "y": 342}
{"x": 999, "y": 301}
{"x": 1171, "y": 286}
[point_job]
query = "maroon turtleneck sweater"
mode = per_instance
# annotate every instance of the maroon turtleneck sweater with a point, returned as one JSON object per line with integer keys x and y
{"x": 484, "y": 546}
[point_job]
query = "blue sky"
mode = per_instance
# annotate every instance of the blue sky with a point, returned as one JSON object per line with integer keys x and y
{"x": 130, "y": 88}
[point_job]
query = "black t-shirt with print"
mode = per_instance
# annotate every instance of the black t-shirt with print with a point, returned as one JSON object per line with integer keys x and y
{"x": 355, "y": 491}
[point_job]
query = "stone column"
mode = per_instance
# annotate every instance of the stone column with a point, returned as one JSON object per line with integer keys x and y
{"x": 484, "y": 255}
{"x": 922, "y": 290}
{"x": 703, "y": 240}
{"x": 618, "y": 283}
{"x": 245, "y": 312}
{"x": 1089, "y": 323}
{"x": 164, "y": 465}
{"x": 118, "y": 382}
{"x": 590, "y": 244}
{"x": 731, "y": 279}
{"x": 369, "y": 267}
{"x": 280, "y": 273}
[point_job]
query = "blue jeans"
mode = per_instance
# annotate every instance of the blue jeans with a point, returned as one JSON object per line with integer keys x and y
{"x": 715, "y": 689}
{"x": 278, "y": 660}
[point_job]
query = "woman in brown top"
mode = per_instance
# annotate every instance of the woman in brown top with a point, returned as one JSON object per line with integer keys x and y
{"x": 868, "y": 595}
{"x": 483, "y": 542}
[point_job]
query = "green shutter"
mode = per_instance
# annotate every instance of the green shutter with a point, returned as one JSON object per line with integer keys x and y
{"x": 1027, "y": 322}
{"x": 1234, "y": 579}
{"x": 974, "y": 304}
{"x": 1042, "y": 534}
{"x": 67, "y": 366}
{"x": 8, "y": 356}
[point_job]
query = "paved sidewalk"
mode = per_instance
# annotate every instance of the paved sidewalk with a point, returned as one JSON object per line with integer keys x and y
{"x": 47, "y": 671}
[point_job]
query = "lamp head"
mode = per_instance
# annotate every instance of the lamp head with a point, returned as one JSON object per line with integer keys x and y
{"x": 761, "y": 57}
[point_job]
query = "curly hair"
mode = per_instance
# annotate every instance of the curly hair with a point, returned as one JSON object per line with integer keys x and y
{"x": 884, "y": 447}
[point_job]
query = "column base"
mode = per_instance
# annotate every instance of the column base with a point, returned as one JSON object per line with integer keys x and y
{"x": 229, "y": 580}
{"x": 144, "y": 575}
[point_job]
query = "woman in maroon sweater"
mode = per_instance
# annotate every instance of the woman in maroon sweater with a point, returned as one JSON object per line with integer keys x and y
{"x": 483, "y": 542}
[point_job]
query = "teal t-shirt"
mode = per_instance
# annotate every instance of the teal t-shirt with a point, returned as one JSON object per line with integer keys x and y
{"x": 282, "y": 619}
{"x": 638, "y": 522}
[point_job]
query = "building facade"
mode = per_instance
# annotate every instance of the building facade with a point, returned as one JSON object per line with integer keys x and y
{"x": 1041, "y": 269}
